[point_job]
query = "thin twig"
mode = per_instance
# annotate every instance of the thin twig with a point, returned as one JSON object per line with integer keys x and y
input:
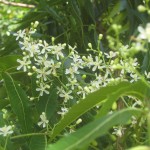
{"x": 17, "y": 4}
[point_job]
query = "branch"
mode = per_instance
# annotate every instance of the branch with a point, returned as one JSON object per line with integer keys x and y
{"x": 17, "y": 4}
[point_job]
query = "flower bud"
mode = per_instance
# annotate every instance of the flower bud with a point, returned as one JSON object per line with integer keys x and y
{"x": 29, "y": 74}
{"x": 34, "y": 68}
{"x": 36, "y": 24}
{"x": 37, "y": 81}
{"x": 29, "y": 67}
{"x": 114, "y": 106}
{"x": 79, "y": 121}
{"x": 8, "y": 33}
{"x": 31, "y": 98}
{"x": 53, "y": 39}
{"x": 94, "y": 143}
{"x": 32, "y": 23}
{"x": 141, "y": 8}
{"x": 90, "y": 45}
{"x": 100, "y": 36}
{"x": 84, "y": 58}
{"x": 24, "y": 53}
{"x": 84, "y": 76}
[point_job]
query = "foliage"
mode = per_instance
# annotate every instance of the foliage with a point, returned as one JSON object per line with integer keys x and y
{"x": 75, "y": 75}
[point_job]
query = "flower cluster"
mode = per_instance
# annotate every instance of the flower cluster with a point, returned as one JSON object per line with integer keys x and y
{"x": 75, "y": 75}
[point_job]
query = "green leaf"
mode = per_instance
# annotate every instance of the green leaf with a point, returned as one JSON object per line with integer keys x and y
{"x": 56, "y": 2}
{"x": 75, "y": 11}
{"x": 19, "y": 103}
{"x": 140, "y": 148}
{"x": 136, "y": 89}
{"x": 3, "y": 103}
{"x": 119, "y": 6}
{"x": 3, "y": 92}
{"x": 8, "y": 62}
{"x": 48, "y": 103}
{"x": 38, "y": 143}
{"x": 95, "y": 129}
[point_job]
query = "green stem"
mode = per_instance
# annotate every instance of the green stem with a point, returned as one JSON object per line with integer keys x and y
{"x": 26, "y": 135}
{"x": 6, "y": 143}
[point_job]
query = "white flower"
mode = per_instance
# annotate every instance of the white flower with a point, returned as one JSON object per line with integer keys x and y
{"x": 111, "y": 54}
{"x": 45, "y": 47}
{"x": 63, "y": 111}
{"x": 137, "y": 103}
{"x": 72, "y": 71}
{"x": 33, "y": 49}
{"x": 134, "y": 77}
{"x": 43, "y": 121}
{"x": 60, "y": 89}
{"x": 6, "y": 130}
{"x": 133, "y": 121}
{"x": 24, "y": 44}
{"x": 81, "y": 91}
{"x": 144, "y": 33}
{"x": 24, "y": 63}
{"x": 42, "y": 60}
{"x": 66, "y": 95}
{"x": 119, "y": 131}
{"x": 72, "y": 83}
{"x": 20, "y": 34}
{"x": 43, "y": 88}
{"x": 43, "y": 73}
{"x": 77, "y": 61}
{"x": 147, "y": 74}
{"x": 98, "y": 81}
{"x": 88, "y": 61}
{"x": 75, "y": 57}
{"x": 97, "y": 64}
{"x": 57, "y": 50}
{"x": 53, "y": 66}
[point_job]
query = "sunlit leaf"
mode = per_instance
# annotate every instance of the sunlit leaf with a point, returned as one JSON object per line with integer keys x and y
{"x": 124, "y": 88}
{"x": 95, "y": 129}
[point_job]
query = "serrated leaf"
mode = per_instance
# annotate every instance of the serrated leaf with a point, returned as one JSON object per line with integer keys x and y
{"x": 136, "y": 89}
{"x": 19, "y": 103}
{"x": 95, "y": 129}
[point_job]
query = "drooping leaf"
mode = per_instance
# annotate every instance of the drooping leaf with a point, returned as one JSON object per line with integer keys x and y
{"x": 137, "y": 89}
{"x": 19, "y": 103}
{"x": 97, "y": 128}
